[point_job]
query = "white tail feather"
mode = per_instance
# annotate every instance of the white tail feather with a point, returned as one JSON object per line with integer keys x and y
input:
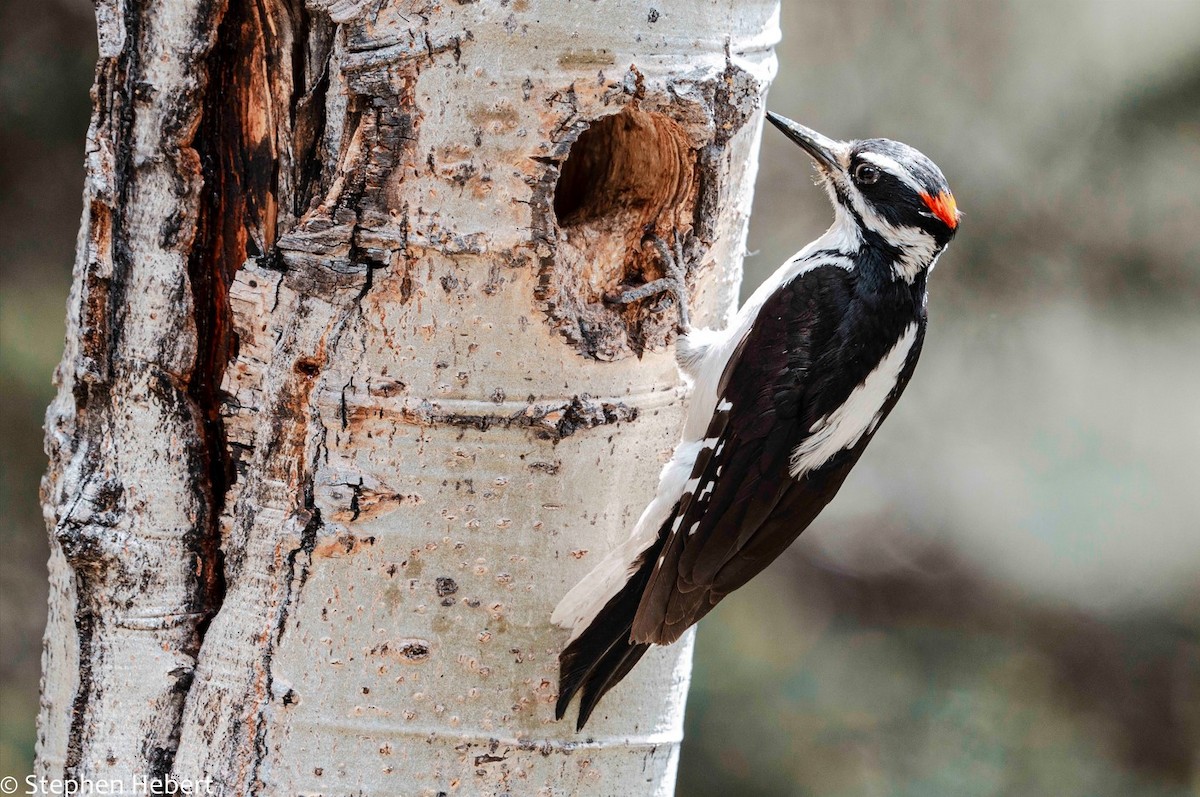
{"x": 580, "y": 606}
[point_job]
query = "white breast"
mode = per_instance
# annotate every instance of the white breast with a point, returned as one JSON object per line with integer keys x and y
{"x": 845, "y": 426}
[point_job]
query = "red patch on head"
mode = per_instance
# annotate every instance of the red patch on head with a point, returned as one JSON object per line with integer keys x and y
{"x": 943, "y": 207}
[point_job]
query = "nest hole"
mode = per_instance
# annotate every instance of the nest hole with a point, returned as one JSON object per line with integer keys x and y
{"x": 627, "y": 176}
{"x": 628, "y": 168}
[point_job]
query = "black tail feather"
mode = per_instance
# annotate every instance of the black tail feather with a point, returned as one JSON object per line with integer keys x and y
{"x": 603, "y": 654}
{"x": 609, "y": 671}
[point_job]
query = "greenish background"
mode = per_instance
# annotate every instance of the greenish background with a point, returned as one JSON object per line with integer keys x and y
{"x": 1005, "y": 598}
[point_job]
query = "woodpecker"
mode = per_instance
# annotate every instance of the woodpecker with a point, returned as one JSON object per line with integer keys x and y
{"x": 784, "y": 401}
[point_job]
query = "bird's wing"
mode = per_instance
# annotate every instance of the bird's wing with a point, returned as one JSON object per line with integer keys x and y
{"x": 742, "y": 507}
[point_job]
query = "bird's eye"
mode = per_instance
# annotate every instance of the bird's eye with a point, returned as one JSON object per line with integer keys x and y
{"x": 866, "y": 174}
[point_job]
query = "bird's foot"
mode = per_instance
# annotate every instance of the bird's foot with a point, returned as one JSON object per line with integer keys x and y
{"x": 675, "y": 261}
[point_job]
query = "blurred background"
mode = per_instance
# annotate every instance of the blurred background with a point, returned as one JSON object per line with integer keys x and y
{"x": 1005, "y": 598}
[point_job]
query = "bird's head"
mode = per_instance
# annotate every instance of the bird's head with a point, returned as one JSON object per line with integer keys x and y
{"x": 885, "y": 192}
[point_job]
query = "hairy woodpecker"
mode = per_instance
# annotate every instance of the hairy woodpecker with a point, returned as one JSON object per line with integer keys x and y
{"x": 784, "y": 402}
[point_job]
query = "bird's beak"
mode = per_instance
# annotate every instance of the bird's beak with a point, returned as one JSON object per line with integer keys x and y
{"x": 825, "y": 151}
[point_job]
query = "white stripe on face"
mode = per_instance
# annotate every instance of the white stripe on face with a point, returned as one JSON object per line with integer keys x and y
{"x": 917, "y": 247}
{"x": 894, "y": 168}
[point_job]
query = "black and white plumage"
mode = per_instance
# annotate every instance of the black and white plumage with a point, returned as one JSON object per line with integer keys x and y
{"x": 784, "y": 402}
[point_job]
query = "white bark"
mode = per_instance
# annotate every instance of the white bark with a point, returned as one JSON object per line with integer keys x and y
{"x": 431, "y": 420}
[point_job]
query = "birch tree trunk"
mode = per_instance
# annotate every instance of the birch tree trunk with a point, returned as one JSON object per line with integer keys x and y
{"x": 343, "y": 411}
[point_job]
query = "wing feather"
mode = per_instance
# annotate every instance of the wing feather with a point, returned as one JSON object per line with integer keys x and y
{"x": 746, "y": 508}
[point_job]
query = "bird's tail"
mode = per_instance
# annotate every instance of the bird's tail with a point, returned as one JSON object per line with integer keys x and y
{"x": 598, "y": 658}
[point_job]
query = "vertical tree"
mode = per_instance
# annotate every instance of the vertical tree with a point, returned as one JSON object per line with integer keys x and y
{"x": 344, "y": 408}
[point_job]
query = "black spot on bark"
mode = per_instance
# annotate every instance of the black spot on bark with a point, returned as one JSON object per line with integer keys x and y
{"x": 309, "y": 368}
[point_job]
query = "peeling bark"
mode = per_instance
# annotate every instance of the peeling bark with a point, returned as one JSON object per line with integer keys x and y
{"x": 344, "y": 409}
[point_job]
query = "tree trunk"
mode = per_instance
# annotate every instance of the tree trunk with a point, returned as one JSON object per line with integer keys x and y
{"x": 343, "y": 410}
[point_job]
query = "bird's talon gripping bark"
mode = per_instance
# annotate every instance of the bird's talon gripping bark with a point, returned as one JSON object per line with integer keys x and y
{"x": 674, "y": 263}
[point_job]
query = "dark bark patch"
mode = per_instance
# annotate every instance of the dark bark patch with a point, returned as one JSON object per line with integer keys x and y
{"x": 308, "y": 367}
{"x": 341, "y": 545}
{"x": 547, "y": 420}
{"x": 408, "y": 650}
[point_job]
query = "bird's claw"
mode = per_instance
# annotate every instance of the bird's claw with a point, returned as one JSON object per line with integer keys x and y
{"x": 674, "y": 263}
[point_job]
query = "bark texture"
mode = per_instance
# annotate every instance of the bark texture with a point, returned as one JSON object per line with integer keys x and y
{"x": 343, "y": 410}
